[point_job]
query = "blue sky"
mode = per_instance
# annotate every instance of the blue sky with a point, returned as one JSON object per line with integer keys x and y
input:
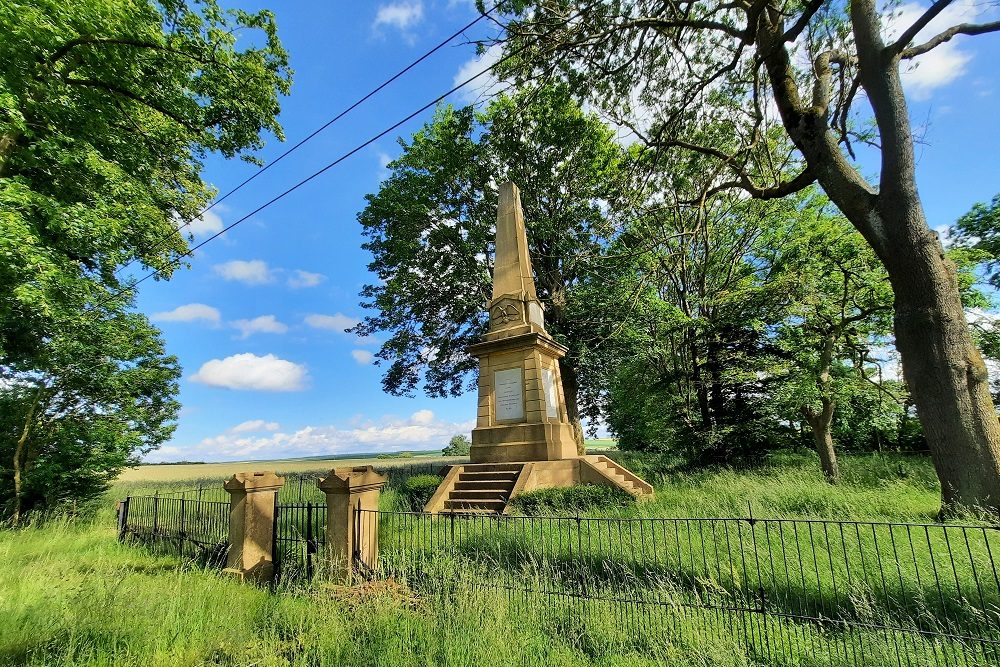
{"x": 257, "y": 319}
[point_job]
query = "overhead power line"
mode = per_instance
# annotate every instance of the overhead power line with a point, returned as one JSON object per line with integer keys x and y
{"x": 318, "y": 130}
{"x": 317, "y": 173}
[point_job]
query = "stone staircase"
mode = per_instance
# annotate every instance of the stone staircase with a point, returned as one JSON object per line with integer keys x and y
{"x": 486, "y": 488}
{"x": 624, "y": 478}
{"x": 482, "y": 488}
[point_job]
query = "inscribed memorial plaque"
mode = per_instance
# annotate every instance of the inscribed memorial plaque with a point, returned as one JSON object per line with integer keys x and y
{"x": 510, "y": 394}
{"x": 551, "y": 402}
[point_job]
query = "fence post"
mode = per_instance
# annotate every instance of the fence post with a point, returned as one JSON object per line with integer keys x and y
{"x": 182, "y": 533}
{"x": 123, "y": 519}
{"x": 310, "y": 545}
{"x": 252, "y": 500}
{"x": 349, "y": 540}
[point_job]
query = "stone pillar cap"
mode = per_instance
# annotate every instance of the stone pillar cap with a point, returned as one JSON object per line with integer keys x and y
{"x": 346, "y": 480}
{"x": 254, "y": 481}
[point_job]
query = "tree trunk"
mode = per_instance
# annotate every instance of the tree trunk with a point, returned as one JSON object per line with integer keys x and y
{"x": 946, "y": 375}
{"x": 571, "y": 387}
{"x": 19, "y": 451}
{"x": 820, "y": 423}
{"x": 942, "y": 367}
{"x": 700, "y": 387}
{"x": 717, "y": 400}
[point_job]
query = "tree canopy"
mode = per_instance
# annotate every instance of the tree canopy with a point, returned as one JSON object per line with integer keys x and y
{"x": 820, "y": 78}
{"x": 107, "y": 110}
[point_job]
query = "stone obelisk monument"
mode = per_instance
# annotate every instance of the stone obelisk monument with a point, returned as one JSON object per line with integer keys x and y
{"x": 522, "y": 409}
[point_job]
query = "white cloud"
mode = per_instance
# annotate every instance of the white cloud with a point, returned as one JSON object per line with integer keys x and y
{"x": 262, "y": 324}
{"x": 363, "y": 357}
{"x": 190, "y": 312}
{"x": 383, "y": 165}
{"x": 300, "y": 278}
{"x": 207, "y": 224}
{"x": 249, "y": 372}
{"x": 166, "y": 453}
{"x": 400, "y": 15}
{"x": 422, "y": 417}
{"x": 250, "y": 272}
{"x": 487, "y": 84}
{"x": 337, "y": 322}
{"x": 945, "y": 63}
{"x": 255, "y": 426}
{"x": 421, "y": 431}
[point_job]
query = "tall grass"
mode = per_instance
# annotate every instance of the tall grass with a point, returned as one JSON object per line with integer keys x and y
{"x": 71, "y": 595}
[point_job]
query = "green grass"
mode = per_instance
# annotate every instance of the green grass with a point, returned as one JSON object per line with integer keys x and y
{"x": 74, "y": 597}
{"x": 790, "y": 485}
{"x": 71, "y": 595}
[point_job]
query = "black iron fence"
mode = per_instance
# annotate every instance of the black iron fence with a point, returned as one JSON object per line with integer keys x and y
{"x": 299, "y": 538}
{"x": 301, "y": 487}
{"x": 199, "y": 529}
{"x": 790, "y": 591}
{"x": 196, "y": 529}
{"x": 787, "y": 591}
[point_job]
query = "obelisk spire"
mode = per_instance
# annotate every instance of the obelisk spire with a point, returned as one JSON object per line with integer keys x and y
{"x": 512, "y": 266}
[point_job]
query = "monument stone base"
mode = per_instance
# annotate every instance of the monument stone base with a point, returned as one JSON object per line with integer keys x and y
{"x": 523, "y": 442}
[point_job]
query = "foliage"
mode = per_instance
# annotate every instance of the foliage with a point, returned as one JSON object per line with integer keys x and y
{"x": 418, "y": 489}
{"x": 790, "y": 89}
{"x": 978, "y": 231}
{"x": 691, "y": 365}
{"x": 459, "y": 445}
{"x": 571, "y": 500}
{"x": 96, "y": 399}
{"x": 107, "y": 110}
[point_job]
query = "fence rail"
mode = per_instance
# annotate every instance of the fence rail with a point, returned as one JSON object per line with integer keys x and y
{"x": 916, "y": 593}
{"x": 197, "y": 529}
{"x": 301, "y": 487}
{"x": 786, "y": 591}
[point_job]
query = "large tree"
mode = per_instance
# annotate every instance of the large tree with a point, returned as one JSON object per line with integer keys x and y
{"x": 841, "y": 309}
{"x": 692, "y": 291}
{"x": 98, "y": 394}
{"x": 815, "y": 63}
{"x": 107, "y": 109}
{"x": 431, "y": 227}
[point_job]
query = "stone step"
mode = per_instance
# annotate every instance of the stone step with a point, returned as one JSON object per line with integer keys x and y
{"x": 477, "y": 494}
{"x": 498, "y": 485}
{"x": 495, "y": 506}
{"x": 488, "y": 476}
{"x": 495, "y": 467}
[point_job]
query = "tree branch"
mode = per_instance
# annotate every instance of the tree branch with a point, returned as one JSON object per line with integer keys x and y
{"x": 124, "y": 92}
{"x": 918, "y": 25}
{"x": 810, "y": 10}
{"x": 662, "y": 25}
{"x": 803, "y": 180}
{"x": 63, "y": 50}
{"x": 941, "y": 38}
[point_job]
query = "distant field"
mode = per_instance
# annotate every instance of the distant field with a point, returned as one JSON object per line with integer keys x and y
{"x": 173, "y": 473}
